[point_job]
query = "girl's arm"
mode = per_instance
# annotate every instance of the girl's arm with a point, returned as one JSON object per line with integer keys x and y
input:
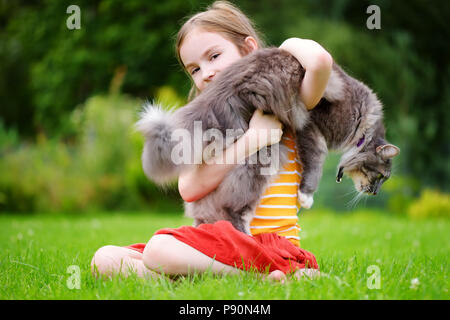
{"x": 317, "y": 63}
{"x": 196, "y": 183}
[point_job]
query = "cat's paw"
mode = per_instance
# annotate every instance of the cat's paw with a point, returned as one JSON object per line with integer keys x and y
{"x": 306, "y": 200}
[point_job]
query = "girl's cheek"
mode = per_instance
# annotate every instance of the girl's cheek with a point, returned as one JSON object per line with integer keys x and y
{"x": 198, "y": 84}
{"x": 195, "y": 77}
{"x": 224, "y": 64}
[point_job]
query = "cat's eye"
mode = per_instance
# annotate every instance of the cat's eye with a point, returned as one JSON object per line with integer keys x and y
{"x": 380, "y": 176}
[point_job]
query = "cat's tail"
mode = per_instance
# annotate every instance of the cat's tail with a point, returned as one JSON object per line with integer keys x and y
{"x": 157, "y": 126}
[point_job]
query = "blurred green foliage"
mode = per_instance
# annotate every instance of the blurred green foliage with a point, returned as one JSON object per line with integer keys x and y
{"x": 69, "y": 97}
{"x": 101, "y": 169}
{"x": 431, "y": 203}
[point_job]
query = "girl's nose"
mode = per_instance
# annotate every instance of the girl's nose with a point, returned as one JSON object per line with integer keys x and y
{"x": 209, "y": 75}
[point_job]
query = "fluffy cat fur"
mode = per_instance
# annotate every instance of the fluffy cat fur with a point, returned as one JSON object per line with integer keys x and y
{"x": 348, "y": 119}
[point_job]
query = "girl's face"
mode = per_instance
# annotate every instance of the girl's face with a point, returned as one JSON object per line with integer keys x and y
{"x": 205, "y": 54}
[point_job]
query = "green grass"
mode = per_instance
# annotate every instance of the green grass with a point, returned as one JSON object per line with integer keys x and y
{"x": 37, "y": 250}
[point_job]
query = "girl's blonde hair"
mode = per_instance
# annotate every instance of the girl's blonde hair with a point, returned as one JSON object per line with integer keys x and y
{"x": 226, "y": 19}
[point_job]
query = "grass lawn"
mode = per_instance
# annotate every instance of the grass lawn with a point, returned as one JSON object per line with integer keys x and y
{"x": 411, "y": 256}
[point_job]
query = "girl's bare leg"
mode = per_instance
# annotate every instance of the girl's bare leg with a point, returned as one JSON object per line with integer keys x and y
{"x": 113, "y": 260}
{"x": 163, "y": 254}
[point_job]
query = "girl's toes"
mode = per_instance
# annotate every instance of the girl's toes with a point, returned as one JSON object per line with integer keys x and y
{"x": 277, "y": 275}
{"x": 308, "y": 273}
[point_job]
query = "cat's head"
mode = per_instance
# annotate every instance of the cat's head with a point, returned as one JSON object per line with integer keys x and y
{"x": 369, "y": 167}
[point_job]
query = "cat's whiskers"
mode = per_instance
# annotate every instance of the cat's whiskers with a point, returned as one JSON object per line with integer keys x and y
{"x": 365, "y": 196}
{"x": 353, "y": 202}
{"x": 352, "y": 191}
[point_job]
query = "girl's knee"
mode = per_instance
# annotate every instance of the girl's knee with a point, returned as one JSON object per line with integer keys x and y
{"x": 160, "y": 254}
{"x": 103, "y": 261}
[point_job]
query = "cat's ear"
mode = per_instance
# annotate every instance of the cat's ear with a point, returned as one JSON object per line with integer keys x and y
{"x": 387, "y": 151}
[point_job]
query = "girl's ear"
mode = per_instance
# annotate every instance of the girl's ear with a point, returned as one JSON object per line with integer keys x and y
{"x": 251, "y": 44}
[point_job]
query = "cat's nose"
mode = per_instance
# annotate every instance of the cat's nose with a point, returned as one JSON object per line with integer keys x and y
{"x": 377, "y": 187}
{"x": 375, "y": 190}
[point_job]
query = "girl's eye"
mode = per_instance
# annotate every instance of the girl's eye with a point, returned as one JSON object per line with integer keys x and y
{"x": 214, "y": 56}
{"x": 194, "y": 71}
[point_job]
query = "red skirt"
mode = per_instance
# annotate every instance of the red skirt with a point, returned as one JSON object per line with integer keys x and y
{"x": 221, "y": 241}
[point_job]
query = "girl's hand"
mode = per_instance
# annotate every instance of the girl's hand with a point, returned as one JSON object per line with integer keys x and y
{"x": 264, "y": 129}
{"x": 197, "y": 182}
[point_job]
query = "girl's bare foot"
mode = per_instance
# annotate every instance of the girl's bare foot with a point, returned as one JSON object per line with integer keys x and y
{"x": 307, "y": 272}
{"x": 276, "y": 275}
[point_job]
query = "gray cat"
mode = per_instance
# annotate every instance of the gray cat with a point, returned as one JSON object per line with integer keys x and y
{"x": 348, "y": 118}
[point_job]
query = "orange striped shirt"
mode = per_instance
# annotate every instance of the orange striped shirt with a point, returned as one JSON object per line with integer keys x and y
{"x": 278, "y": 208}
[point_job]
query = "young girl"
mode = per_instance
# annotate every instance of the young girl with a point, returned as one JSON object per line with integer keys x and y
{"x": 206, "y": 44}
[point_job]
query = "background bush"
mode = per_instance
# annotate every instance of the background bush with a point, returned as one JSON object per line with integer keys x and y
{"x": 100, "y": 169}
{"x": 431, "y": 203}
